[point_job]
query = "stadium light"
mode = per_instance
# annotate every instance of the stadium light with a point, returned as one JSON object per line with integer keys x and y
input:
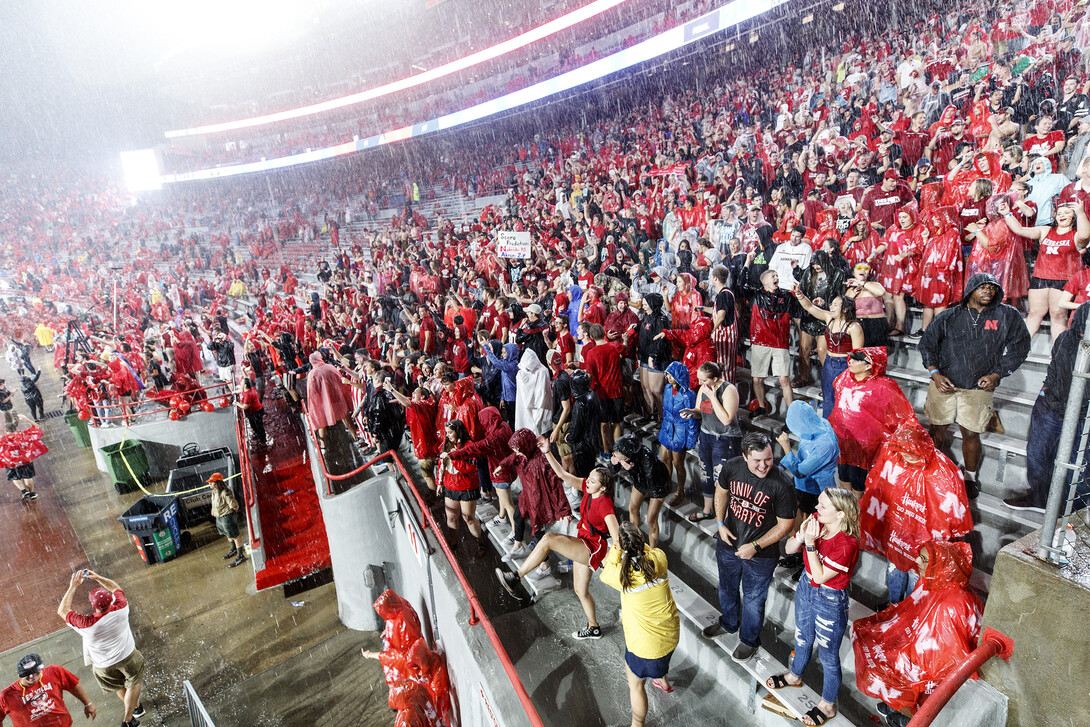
{"x": 808, "y": 18}
{"x": 753, "y": 37}
{"x": 542, "y": 31}
{"x": 838, "y": 8}
{"x": 726, "y": 16}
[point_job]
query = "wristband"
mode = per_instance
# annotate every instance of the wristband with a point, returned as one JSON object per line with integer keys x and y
{"x": 1009, "y": 214}
{"x": 810, "y": 549}
{"x": 932, "y": 372}
{"x": 720, "y": 524}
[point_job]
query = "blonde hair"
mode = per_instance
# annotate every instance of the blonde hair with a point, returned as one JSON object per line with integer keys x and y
{"x": 846, "y": 503}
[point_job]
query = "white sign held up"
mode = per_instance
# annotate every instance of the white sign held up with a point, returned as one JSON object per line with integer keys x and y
{"x": 513, "y": 244}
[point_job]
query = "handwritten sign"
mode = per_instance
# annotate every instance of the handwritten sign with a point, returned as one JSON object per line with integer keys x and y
{"x": 512, "y": 244}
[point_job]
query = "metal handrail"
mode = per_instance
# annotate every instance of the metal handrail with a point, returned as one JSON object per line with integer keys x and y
{"x": 126, "y": 416}
{"x": 476, "y": 610}
{"x": 992, "y": 643}
{"x": 246, "y": 472}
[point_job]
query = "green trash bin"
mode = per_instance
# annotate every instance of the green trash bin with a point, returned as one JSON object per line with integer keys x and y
{"x": 164, "y": 543}
{"x": 131, "y": 451}
{"x": 79, "y": 429}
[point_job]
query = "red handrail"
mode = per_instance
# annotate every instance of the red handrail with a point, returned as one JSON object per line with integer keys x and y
{"x": 133, "y": 415}
{"x": 246, "y": 473}
{"x": 476, "y": 611}
{"x": 992, "y": 643}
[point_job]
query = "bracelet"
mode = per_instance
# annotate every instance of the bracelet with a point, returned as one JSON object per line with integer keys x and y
{"x": 720, "y": 524}
{"x": 932, "y": 372}
{"x": 1009, "y": 214}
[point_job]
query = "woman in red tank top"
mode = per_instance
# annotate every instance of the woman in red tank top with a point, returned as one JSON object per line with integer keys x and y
{"x": 1058, "y": 260}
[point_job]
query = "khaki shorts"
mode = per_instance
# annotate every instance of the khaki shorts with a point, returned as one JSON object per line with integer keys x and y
{"x": 970, "y": 408}
{"x": 764, "y": 358}
{"x": 427, "y": 467}
{"x": 125, "y": 674}
{"x": 561, "y": 445}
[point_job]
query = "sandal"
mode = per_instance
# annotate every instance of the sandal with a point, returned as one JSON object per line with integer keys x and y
{"x": 779, "y": 681}
{"x": 798, "y": 382}
{"x": 662, "y": 688}
{"x": 699, "y": 517}
{"x": 676, "y": 500}
{"x": 894, "y": 332}
{"x": 817, "y": 717}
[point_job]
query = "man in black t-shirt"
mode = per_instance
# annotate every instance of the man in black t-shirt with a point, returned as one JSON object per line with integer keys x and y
{"x": 754, "y": 509}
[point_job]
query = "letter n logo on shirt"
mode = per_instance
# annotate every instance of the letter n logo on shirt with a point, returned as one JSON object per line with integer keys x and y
{"x": 991, "y": 325}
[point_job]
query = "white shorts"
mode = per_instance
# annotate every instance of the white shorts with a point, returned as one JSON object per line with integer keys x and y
{"x": 226, "y": 373}
{"x": 765, "y": 358}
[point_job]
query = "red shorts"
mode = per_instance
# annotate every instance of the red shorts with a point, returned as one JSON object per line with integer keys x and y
{"x": 598, "y": 548}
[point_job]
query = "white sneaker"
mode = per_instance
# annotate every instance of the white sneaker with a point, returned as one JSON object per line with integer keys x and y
{"x": 497, "y": 520}
{"x": 520, "y": 552}
{"x": 537, "y": 574}
{"x": 508, "y": 541}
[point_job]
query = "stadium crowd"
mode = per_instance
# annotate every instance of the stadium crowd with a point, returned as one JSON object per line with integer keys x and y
{"x": 681, "y": 252}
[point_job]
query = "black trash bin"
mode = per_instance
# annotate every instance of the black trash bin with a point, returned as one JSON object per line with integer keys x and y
{"x": 152, "y": 522}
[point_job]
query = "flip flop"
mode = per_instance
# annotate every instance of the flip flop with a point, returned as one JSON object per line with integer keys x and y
{"x": 779, "y": 681}
{"x": 698, "y": 517}
{"x": 818, "y": 717}
{"x": 663, "y": 689}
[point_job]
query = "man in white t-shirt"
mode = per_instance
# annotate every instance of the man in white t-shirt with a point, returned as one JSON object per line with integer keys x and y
{"x": 791, "y": 256}
{"x": 108, "y": 644}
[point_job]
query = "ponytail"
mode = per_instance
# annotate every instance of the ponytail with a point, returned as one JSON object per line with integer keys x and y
{"x": 633, "y": 557}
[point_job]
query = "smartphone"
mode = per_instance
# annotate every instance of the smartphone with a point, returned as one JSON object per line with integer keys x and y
{"x": 86, "y": 573}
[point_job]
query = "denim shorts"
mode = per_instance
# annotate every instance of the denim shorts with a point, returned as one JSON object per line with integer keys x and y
{"x": 648, "y": 668}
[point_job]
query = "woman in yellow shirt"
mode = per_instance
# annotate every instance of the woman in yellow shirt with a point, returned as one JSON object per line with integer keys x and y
{"x": 648, "y": 614}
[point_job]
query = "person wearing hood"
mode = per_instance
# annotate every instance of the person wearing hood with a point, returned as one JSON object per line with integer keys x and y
{"x": 1059, "y": 260}
{"x": 542, "y": 501}
{"x": 1046, "y": 420}
{"x": 904, "y": 651}
{"x": 32, "y": 395}
{"x": 677, "y": 435}
{"x": 491, "y": 386}
{"x": 327, "y": 399}
{"x": 821, "y": 282}
{"x": 940, "y": 271}
{"x": 813, "y": 464}
{"x": 915, "y": 493}
{"x": 868, "y": 407}
{"x": 508, "y": 365}
{"x": 650, "y": 482}
{"x": 963, "y": 384}
{"x": 584, "y": 434}
{"x": 697, "y": 340}
{"x": 654, "y": 353}
{"x": 533, "y": 405}
{"x": 900, "y": 248}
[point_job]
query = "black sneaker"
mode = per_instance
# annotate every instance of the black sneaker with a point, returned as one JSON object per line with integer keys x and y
{"x": 711, "y": 632}
{"x": 32, "y": 496}
{"x": 743, "y": 652}
{"x": 507, "y": 580}
{"x": 26, "y": 495}
{"x": 1023, "y": 503}
{"x": 237, "y": 561}
{"x": 139, "y": 713}
{"x": 231, "y": 553}
{"x": 972, "y": 489}
{"x": 590, "y": 632}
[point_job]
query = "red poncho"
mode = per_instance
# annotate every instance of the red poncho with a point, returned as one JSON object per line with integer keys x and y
{"x": 327, "y": 400}
{"x": 187, "y": 357}
{"x": 958, "y": 185}
{"x": 683, "y": 303}
{"x": 19, "y": 448}
{"x": 898, "y": 276}
{"x": 542, "y": 501}
{"x": 699, "y": 348}
{"x": 939, "y": 284}
{"x": 903, "y": 652}
{"x": 857, "y": 251}
{"x": 1003, "y": 257}
{"x": 866, "y": 412}
{"x": 914, "y": 494}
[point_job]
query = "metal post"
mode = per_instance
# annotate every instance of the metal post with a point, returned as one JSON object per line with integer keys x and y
{"x": 1047, "y": 549}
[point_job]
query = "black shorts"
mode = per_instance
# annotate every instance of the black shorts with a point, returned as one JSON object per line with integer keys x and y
{"x": 1036, "y": 283}
{"x": 462, "y": 495}
{"x": 806, "y": 502}
{"x": 654, "y": 490}
{"x": 22, "y": 472}
{"x": 612, "y": 410}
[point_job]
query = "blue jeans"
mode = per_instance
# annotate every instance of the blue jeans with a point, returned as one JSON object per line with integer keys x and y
{"x": 1041, "y": 450}
{"x": 821, "y": 618}
{"x": 714, "y": 451}
{"x": 833, "y": 367}
{"x": 754, "y": 576}
{"x": 899, "y": 583}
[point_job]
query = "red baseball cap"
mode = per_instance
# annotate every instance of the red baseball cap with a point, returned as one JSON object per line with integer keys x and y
{"x": 891, "y": 174}
{"x": 100, "y": 599}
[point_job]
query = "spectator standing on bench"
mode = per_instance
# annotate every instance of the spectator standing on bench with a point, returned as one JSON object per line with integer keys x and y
{"x": 108, "y": 644}
{"x": 831, "y": 540}
{"x": 754, "y": 509}
{"x": 1047, "y": 417}
{"x": 967, "y": 350}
